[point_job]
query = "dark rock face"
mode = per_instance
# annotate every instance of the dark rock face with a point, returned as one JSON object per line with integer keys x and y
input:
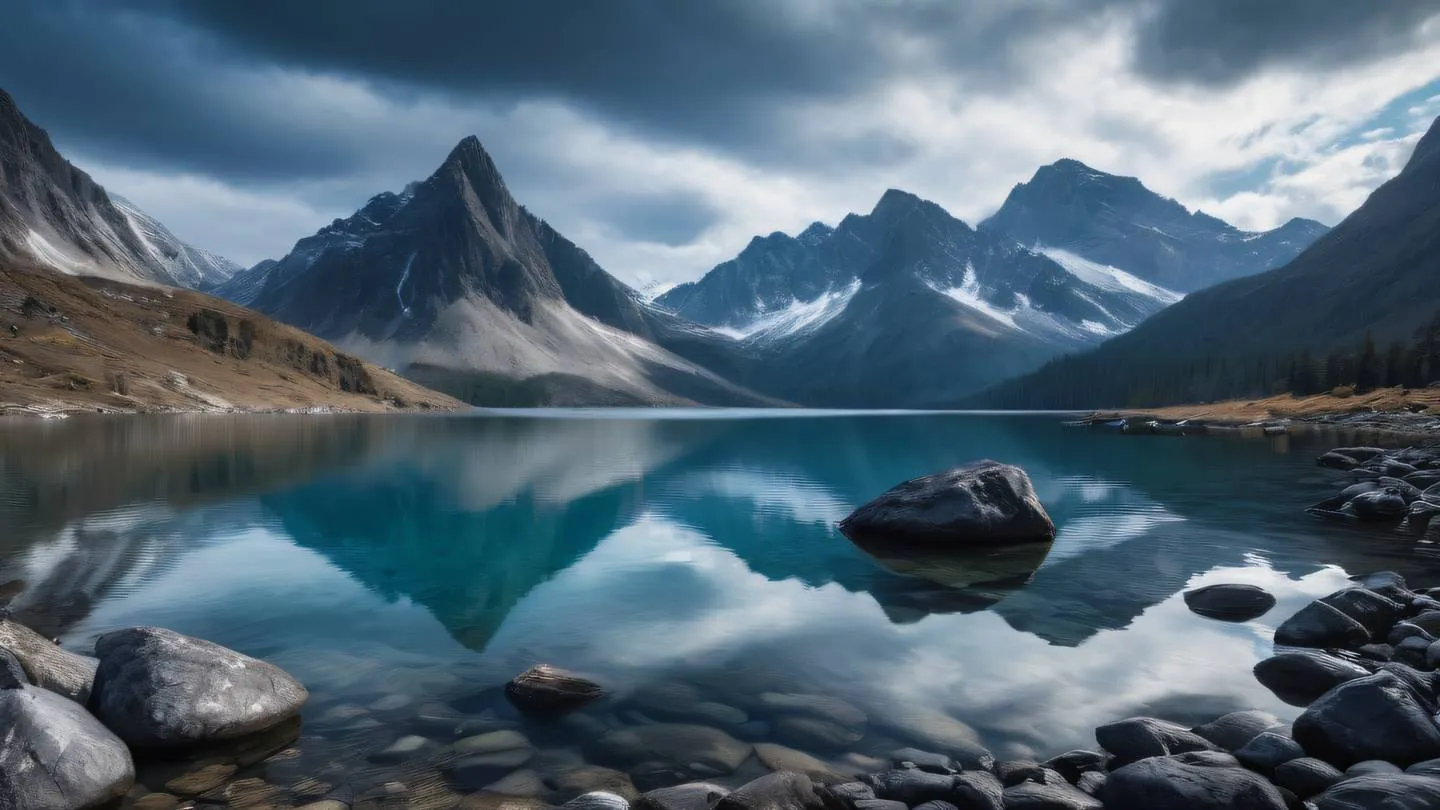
{"x": 1307, "y": 776}
{"x": 978, "y": 790}
{"x": 1374, "y": 612}
{"x": 1321, "y": 625}
{"x": 47, "y": 665}
{"x": 12, "y": 675}
{"x": 1230, "y": 603}
{"x": 55, "y": 756}
{"x": 985, "y": 503}
{"x": 1118, "y": 221}
{"x": 1269, "y": 751}
{"x": 157, "y": 688}
{"x": 1232, "y": 731}
{"x": 545, "y": 689}
{"x": 1072, "y": 764}
{"x": 1059, "y": 796}
{"x": 1193, "y": 783}
{"x": 1386, "y": 505}
{"x": 1375, "y": 717}
{"x": 1141, "y": 737}
{"x": 912, "y": 786}
{"x": 783, "y": 790}
{"x": 698, "y": 796}
{"x": 1404, "y": 792}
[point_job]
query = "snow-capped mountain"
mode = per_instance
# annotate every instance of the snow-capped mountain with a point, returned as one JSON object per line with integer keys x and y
{"x": 461, "y": 288}
{"x": 906, "y": 306}
{"x": 189, "y": 266}
{"x": 1117, "y": 221}
{"x": 53, "y": 215}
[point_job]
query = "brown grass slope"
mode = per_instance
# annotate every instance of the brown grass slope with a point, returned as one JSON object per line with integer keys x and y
{"x": 69, "y": 343}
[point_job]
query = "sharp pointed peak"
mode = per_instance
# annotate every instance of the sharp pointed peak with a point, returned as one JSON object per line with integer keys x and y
{"x": 1428, "y": 145}
{"x": 469, "y": 152}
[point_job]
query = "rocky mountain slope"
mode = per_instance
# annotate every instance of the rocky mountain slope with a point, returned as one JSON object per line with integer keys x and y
{"x": 1116, "y": 221}
{"x": 457, "y": 285}
{"x": 69, "y": 344}
{"x": 905, "y": 306}
{"x": 54, "y": 215}
{"x": 1377, "y": 272}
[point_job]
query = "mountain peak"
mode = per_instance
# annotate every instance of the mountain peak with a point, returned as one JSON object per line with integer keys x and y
{"x": 1428, "y": 146}
{"x": 816, "y": 233}
{"x": 469, "y": 154}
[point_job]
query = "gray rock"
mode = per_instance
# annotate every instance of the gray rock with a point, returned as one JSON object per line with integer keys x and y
{"x": 984, "y": 503}
{"x": 12, "y": 675}
{"x": 404, "y": 748}
{"x": 1092, "y": 782}
{"x": 47, "y": 665}
{"x": 1321, "y": 625}
{"x": 880, "y": 804}
{"x": 547, "y": 690}
{"x": 1404, "y": 792}
{"x": 1376, "y": 717}
{"x": 1301, "y": 676}
{"x": 912, "y": 786}
{"x": 1430, "y": 767}
{"x": 597, "y": 800}
{"x": 55, "y": 756}
{"x": 1073, "y": 764}
{"x": 1336, "y": 460}
{"x": 1387, "y": 505}
{"x": 1374, "y": 612}
{"x": 1230, "y": 603}
{"x": 1376, "y": 652}
{"x": 692, "y": 796}
{"x": 157, "y": 688}
{"x": 843, "y": 796}
{"x": 1372, "y": 767}
{"x": 1190, "y": 782}
{"x": 1136, "y": 738}
{"x": 1230, "y": 732}
{"x": 1428, "y": 620}
{"x": 824, "y": 707}
{"x": 779, "y": 758}
{"x": 924, "y": 760}
{"x": 1269, "y": 751}
{"x": 577, "y": 781}
{"x": 776, "y": 791}
{"x": 1059, "y": 796}
{"x": 491, "y": 742}
{"x": 977, "y": 790}
{"x": 1307, "y": 776}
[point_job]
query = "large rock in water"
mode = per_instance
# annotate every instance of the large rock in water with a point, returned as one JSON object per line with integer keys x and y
{"x": 1379, "y": 716}
{"x": 159, "y": 689}
{"x": 55, "y": 756}
{"x": 1230, "y": 603}
{"x": 48, "y": 666}
{"x": 544, "y": 689}
{"x": 1137, "y": 738}
{"x": 985, "y": 503}
{"x": 1302, "y": 676}
{"x": 1321, "y": 625}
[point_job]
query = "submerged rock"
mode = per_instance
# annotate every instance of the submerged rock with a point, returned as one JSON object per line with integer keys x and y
{"x": 678, "y": 743}
{"x": 1230, "y": 603}
{"x": 157, "y": 688}
{"x": 545, "y": 689}
{"x": 693, "y": 796}
{"x": 47, "y": 665}
{"x": 985, "y": 503}
{"x": 1376, "y": 717}
{"x": 55, "y": 756}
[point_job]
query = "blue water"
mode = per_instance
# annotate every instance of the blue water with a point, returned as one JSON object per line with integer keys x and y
{"x": 406, "y": 566}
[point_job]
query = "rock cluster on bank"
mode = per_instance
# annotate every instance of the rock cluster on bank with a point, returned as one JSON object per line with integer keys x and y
{"x": 1400, "y": 488}
{"x": 71, "y": 724}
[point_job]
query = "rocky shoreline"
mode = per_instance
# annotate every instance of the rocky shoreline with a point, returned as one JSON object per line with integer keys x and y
{"x": 1380, "y": 424}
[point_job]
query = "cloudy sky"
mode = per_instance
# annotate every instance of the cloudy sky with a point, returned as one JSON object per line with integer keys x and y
{"x": 662, "y": 134}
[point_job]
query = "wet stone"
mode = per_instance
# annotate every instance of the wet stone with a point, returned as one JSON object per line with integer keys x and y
{"x": 203, "y": 780}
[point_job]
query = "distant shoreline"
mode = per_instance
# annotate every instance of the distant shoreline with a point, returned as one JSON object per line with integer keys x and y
{"x": 1388, "y": 411}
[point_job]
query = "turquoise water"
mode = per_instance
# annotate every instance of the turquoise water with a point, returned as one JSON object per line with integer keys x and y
{"x": 407, "y": 567}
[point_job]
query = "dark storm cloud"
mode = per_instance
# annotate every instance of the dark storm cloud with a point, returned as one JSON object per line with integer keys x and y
{"x": 1220, "y": 42}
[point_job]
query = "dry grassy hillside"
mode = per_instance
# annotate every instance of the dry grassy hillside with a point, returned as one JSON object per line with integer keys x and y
{"x": 69, "y": 343}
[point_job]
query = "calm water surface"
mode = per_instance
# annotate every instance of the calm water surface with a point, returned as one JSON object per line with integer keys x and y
{"x": 405, "y": 567}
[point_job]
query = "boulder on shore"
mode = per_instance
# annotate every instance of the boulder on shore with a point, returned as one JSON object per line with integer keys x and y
{"x": 156, "y": 688}
{"x": 984, "y": 503}
{"x": 1379, "y": 716}
{"x": 1300, "y": 677}
{"x": 1230, "y": 603}
{"x": 1192, "y": 781}
{"x": 47, "y": 665}
{"x": 548, "y": 690}
{"x": 55, "y": 756}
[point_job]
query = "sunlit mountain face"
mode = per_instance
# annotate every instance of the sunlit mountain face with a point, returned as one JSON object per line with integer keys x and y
{"x": 647, "y": 549}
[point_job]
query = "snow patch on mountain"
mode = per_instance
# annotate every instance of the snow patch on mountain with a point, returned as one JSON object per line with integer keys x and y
{"x": 797, "y": 317}
{"x": 1111, "y": 279}
{"x": 968, "y": 293}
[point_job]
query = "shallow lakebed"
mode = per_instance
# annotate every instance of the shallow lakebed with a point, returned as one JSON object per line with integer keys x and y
{"x": 405, "y": 568}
